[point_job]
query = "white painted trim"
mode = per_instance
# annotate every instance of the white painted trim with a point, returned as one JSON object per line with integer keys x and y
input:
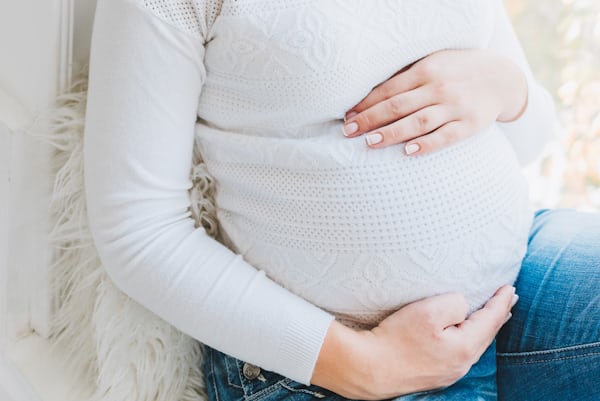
{"x": 25, "y": 185}
{"x": 24, "y": 194}
{"x": 14, "y": 293}
{"x": 37, "y": 169}
{"x": 13, "y": 317}
{"x": 5, "y": 146}
{"x": 32, "y": 189}
{"x": 65, "y": 45}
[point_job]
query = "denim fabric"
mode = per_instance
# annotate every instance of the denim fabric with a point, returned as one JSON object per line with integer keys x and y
{"x": 225, "y": 381}
{"x": 550, "y": 349}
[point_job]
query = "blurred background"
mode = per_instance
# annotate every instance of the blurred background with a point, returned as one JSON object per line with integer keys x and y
{"x": 562, "y": 42}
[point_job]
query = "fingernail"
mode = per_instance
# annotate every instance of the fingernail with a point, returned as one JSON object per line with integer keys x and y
{"x": 412, "y": 148}
{"x": 350, "y": 129}
{"x": 350, "y": 115}
{"x": 374, "y": 138}
{"x": 508, "y": 317}
{"x": 515, "y": 298}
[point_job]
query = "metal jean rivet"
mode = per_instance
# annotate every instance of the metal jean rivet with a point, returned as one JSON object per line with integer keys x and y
{"x": 250, "y": 372}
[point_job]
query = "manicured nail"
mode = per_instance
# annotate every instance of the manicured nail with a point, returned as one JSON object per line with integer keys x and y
{"x": 508, "y": 317}
{"x": 350, "y": 115}
{"x": 412, "y": 148}
{"x": 374, "y": 138}
{"x": 515, "y": 298}
{"x": 350, "y": 129}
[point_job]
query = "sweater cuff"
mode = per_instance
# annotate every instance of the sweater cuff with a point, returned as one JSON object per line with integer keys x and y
{"x": 302, "y": 342}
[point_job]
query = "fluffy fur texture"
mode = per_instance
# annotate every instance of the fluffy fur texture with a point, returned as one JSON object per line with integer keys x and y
{"x": 118, "y": 349}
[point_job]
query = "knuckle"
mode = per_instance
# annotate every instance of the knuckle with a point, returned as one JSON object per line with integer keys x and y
{"x": 447, "y": 136}
{"x": 364, "y": 121}
{"x": 426, "y": 69}
{"x": 460, "y": 301}
{"x": 429, "y": 321}
{"x": 393, "y": 133}
{"x": 383, "y": 91}
{"x": 441, "y": 90}
{"x": 396, "y": 106}
{"x": 421, "y": 122}
{"x": 430, "y": 143}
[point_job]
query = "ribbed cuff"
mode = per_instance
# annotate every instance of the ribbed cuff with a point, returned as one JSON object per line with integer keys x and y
{"x": 302, "y": 342}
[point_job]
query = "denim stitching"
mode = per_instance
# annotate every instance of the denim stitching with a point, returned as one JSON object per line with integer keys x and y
{"x": 549, "y": 351}
{"x": 507, "y": 356}
{"x": 228, "y": 368}
{"x": 566, "y": 358}
{"x": 303, "y": 390}
{"x": 214, "y": 377}
{"x": 265, "y": 391}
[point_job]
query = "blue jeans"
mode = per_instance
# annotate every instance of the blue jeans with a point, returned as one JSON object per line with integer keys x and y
{"x": 549, "y": 350}
{"x": 227, "y": 379}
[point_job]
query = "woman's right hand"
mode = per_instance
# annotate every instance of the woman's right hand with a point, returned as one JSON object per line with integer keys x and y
{"x": 425, "y": 345}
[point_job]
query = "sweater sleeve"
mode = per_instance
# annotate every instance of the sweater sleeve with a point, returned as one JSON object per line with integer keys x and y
{"x": 145, "y": 80}
{"x": 530, "y": 132}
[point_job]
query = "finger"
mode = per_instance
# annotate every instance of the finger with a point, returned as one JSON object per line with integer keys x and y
{"x": 415, "y": 125}
{"x": 485, "y": 323}
{"x": 404, "y": 81}
{"x": 388, "y": 111}
{"x": 444, "y": 136}
{"x": 441, "y": 311}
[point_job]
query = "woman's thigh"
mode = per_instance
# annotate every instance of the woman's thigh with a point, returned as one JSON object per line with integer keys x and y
{"x": 550, "y": 349}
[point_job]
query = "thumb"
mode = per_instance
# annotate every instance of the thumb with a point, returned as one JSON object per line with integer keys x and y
{"x": 485, "y": 323}
{"x": 443, "y": 310}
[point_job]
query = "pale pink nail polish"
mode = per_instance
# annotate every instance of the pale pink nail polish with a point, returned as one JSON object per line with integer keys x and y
{"x": 350, "y": 129}
{"x": 412, "y": 148}
{"x": 374, "y": 138}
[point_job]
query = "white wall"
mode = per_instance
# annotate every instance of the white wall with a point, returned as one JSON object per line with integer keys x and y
{"x": 37, "y": 42}
{"x": 42, "y": 42}
{"x": 32, "y": 50}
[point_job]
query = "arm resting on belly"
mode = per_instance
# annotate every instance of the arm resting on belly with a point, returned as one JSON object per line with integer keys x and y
{"x": 145, "y": 80}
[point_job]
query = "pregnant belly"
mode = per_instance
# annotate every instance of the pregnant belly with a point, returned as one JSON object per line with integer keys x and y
{"x": 361, "y": 232}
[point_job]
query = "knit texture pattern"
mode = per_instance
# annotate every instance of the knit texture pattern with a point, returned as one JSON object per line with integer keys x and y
{"x": 346, "y": 228}
{"x": 355, "y": 231}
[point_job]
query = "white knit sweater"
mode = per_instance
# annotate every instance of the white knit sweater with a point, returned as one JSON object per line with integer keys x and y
{"x": 338, "y": 228}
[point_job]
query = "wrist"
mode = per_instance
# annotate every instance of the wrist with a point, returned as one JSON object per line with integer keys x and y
{"x": 518, "y": 97}
{"x": 345, "y": 363}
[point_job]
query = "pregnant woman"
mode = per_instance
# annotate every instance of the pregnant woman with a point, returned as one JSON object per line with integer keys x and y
{"x": 329, "y": 236}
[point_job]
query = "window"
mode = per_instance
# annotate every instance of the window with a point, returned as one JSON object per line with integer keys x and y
{"x": 562, "y": 41}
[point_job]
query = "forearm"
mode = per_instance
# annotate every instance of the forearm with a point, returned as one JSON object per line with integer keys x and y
{"x": 342, "y": 365}
{"x": 145, "y": 80}
{"x": 534, "y": 125}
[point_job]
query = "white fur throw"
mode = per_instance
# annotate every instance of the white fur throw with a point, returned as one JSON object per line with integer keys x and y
{"x": 118, "y": 349}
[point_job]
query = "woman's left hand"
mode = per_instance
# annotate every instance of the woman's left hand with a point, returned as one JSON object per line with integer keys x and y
{"x": 439, "y": 100}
